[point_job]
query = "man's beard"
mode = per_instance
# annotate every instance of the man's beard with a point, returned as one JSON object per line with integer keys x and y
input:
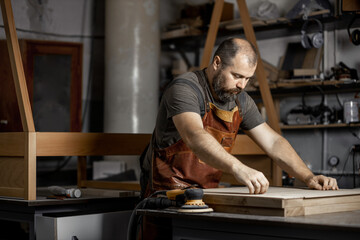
{"x": 224, "y": 95}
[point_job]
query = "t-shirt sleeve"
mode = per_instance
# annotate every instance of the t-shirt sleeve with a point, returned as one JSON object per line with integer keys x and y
{"x": 251, "y": 114}
{"x": 180, "y": 98}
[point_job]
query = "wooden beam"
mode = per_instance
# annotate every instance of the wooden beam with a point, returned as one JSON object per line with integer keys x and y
{"x": 263, "y": 84}
{"x": 132, "y": 186}
{"x": 30, "y": 166}
{"x": 17, "y": 67}
{"x": 12, "y": 144}
{"x": 211, "y": 36}
{"x": 12, "y": 176}
{"x": 81, "y": 171}
{"x": 89, "y": 144}
{"x": 12, "y": 192}
{"x": 282, "y": 201}
{"x": 260, "y": 72}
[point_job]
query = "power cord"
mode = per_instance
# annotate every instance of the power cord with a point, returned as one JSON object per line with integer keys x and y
{"x": 353, "y": 150}
{"x": 345, "y": 163}
{"x": 146, "y": 203}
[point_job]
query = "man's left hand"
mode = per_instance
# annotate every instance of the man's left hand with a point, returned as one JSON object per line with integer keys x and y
{"x": 321, "y": 182}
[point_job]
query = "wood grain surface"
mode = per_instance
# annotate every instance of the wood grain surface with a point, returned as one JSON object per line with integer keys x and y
{"x": 281, "y": 201}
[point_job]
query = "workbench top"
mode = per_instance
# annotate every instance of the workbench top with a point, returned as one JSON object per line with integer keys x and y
{"x": 89, "y": 195}
{"x": 348, "y": 220}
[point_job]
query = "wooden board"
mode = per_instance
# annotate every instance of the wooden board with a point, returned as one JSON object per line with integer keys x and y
{"x": 278, "y": 201}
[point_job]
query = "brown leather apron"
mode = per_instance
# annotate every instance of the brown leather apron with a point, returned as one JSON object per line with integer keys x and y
{"x": 177, "y": 166}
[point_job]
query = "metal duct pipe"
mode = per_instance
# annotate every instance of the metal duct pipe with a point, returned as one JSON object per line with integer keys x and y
{"x": 132, "y": 48}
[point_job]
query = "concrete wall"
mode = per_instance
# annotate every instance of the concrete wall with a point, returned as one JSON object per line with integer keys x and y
{"x": 83, "y": 21}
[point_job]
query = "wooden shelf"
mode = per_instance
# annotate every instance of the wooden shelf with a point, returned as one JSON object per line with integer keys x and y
{"x": 263, "y": 30}
{"x": 332, "y": 125}
{"x": 291, "y": 83}
{"x": 293, "y": 87}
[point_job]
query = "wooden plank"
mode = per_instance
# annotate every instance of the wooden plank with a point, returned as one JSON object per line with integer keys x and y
{"x": 263, "y": 84}
{"x": 86, "y": 192}
{"x": 12, "y": 192}
{"x": 12, "y": 170}
{"x": 329, "y": 201}
{"x": 338, "y": 207}
{"x": 211, "y": 35}
{"x": 250, "y": 210}
{"x": 260, "y": 73}
{"x": 17, "y": 67}
{"x": 285, "y": 192}
{"x": 12, "y": 144}
{"x": 309, "y": 59}
{"x": 288, "y": 201}
{"x": 129, "y": 185}
{"x": 89, "y": 144}
{"x": 251, "y": 148}
{"x": 243, "y": 201}
{"x": 81, "y": 171}
{"x": 30, "y": 166}
{"x": 305, "y": 72}
{"x": 294, "y": 211}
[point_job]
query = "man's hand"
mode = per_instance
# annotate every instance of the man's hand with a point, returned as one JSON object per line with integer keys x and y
{"x": 321, "y": 182}
{"x": 253, "y": 179}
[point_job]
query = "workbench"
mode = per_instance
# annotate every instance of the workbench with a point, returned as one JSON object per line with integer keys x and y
{"x": 216, "y": 225}
{"x": 92, "y": 204}
{"x": 280, "y": 213}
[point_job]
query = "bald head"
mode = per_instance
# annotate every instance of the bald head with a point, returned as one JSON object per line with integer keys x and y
{"x": 229, "y": 48}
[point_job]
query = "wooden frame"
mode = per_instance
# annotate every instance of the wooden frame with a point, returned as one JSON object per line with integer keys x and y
{"x": 18, "y": 150}
{"x": 37, "y": 47}
{"x": 30, "y": 49}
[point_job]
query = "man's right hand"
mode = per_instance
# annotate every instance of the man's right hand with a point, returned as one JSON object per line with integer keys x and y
{"x": 253, "y": 179}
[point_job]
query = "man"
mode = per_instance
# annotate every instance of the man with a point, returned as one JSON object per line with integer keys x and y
{"x": 192, "y": 146}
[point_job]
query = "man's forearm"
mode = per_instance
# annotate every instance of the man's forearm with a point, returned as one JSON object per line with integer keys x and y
{"x": 287, "y": 158}
{"x": 211, "y": 152}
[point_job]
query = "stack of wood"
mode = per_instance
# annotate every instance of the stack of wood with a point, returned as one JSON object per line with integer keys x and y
{"x": 281, "y": 201}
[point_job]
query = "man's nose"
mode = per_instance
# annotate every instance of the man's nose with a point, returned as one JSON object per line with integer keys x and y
{"x": 241, "y": 83}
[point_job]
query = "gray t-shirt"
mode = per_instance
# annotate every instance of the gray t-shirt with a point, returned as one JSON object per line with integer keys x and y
{"x": 180, "y": 98}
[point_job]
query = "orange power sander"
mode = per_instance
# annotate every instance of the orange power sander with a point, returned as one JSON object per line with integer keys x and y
{"x": 187, "y": 200}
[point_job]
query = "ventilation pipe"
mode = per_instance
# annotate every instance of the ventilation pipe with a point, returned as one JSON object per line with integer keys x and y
{"x": 132, "y": 48}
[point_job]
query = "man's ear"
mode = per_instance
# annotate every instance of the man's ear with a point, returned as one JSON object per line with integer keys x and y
{"x": 217, "y": 62}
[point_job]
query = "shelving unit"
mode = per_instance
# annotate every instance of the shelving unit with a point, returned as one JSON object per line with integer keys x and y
{"x": 331, "y": 125}
{"x": 297, "y": 87}
{"x": 272, "y": 29}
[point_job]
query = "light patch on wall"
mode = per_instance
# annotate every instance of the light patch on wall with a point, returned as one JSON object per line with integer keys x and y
{"x": 135, "y": 80}
{"x": 40, "y": 15}
{"x": 150, "y": 7}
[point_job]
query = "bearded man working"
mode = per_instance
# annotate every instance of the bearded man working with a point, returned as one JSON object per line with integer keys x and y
{"x": 199, "y": 117}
